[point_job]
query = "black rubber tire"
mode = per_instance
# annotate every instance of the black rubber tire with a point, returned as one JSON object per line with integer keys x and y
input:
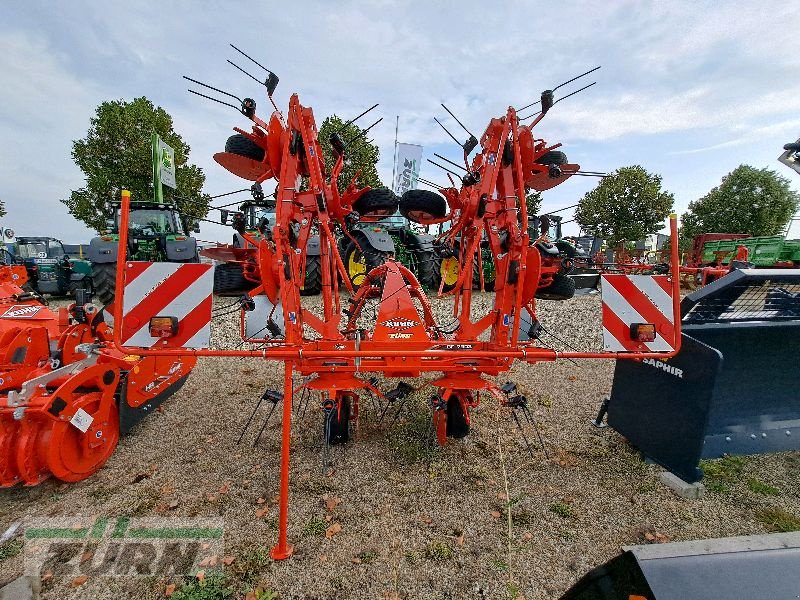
{"x": 313, "y": 281}
{"x": 229, "y": 280}
{"x": 423, "y": 201}
{"x": 457, "y": 426}
{"x": 554, "y": 157}
{"x": 426, "y": 268}
{"x": 562, "y": 288}
{"x": 377, "y": 201}
{"x": 244, "y": 146}
{"x": 372, "y": 258}
{"x": 336, "y": 429}
{"x": 104, "y": 281}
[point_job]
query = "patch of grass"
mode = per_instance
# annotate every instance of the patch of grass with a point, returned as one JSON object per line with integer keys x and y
{"x": 214, "y": 587}
{"x": 759, "y": 487}
{"x": 314, "y": 527}
{"x": 544, "y": 401}
{"x": 10, "y": 549}
{"x": 100, "y": 493}
{"x": 437, "y": 550}
{"x": 144, "y": 500}
{"x": 563, "y": 510}
{"x": 410, "y": 440}
{"x": 513, "y": 590}
{"x": 500, "y": 564}
{"x": 720, "y": 474}
{"x": 249, "y": 565}
{"x": 647, "y": 487}
{"x": 778, "y": 520}
{"x": 521, "y": 517}
{"x": 367, "y": 556}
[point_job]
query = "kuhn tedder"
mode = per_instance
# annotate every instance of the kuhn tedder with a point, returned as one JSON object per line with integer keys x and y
{"x": 66, "y": 394}
{"x": 337, "y": 349}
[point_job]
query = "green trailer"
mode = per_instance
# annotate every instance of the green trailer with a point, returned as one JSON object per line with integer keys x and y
{"x": 766, "y": 251}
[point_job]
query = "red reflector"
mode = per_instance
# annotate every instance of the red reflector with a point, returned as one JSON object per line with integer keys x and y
{"x": 179, "y": 238}
{"x": 643, "y": 332}
{"x": 107, "y": 238}
{"x": 163, "y": 327}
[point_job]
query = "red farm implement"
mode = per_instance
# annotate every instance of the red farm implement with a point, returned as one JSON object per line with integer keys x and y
{"x": 66, "y": 394}
{"x": 337, "y": 348}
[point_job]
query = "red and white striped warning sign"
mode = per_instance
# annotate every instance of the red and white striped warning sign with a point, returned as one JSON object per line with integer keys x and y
{"x": 167, "y": 290}
{"x": 629, "y": 299}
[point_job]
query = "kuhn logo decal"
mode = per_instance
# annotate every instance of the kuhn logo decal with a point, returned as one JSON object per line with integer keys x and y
{"x": 399, "y": 323}
{"x": 21, "y": 312}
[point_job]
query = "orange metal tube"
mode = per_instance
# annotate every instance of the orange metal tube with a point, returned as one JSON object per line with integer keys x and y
{"x": 283, "y": 549}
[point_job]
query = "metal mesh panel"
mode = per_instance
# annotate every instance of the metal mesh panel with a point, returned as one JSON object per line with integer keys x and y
{"x": 748, "y": 297}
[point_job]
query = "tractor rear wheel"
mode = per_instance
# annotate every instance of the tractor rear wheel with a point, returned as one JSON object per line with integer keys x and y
{"x": 337, "y": 422}
{"x": 313, "y": 281}
{"x": 449, "y": 270}
{"x": 378, "y": 201}
{"x": 358, "y": 263}
{"x": 422, "y": 205}
{"x": 426, "y": 268}
{"x": 229, "y": 280}
{"x": 562, "y": 288}
{"x": 104, "y": 280}
{"x": 244, "y": 146}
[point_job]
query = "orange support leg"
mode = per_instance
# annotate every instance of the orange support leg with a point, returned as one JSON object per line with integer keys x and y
{"x": 283, "y": 549}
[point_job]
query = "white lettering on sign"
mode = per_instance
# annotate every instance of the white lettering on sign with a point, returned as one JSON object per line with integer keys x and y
{"x": 660, "y": 364}
{"x": 21, "y": 312}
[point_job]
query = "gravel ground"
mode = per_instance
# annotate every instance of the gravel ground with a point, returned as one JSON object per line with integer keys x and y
{"x": 416, "y": 521}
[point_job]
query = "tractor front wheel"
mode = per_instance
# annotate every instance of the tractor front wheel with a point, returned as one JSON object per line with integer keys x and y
{"x": 104, "y": 280}
{"x": 426, "y": 268}
{"x": 360, "y": 261}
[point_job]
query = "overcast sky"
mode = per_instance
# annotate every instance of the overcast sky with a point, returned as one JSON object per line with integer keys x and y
{"x": 689, "y": 90}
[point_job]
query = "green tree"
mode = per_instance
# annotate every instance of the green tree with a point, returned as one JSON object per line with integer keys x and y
{"x": 748, "y": 200}
{"x": 627, "y": 205}
{"x": 533, "y": 201}
{"x": 359, "y": 156}
{"x": 116, "y": 154}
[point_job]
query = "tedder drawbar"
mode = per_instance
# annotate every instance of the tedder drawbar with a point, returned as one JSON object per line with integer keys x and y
{"x": 162, "y": 307}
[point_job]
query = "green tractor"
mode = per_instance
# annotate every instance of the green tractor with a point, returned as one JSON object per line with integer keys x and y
{"x": 156, "y": 232}
{"x": 394, "y": 236}
{"x": 50, "y": 270}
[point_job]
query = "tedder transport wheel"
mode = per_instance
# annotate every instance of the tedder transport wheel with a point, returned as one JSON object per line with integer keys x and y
{"x": 337, "y": 421}
{"x": 229, "y": 280}
{"x": 454, "y": 420}
{"x": 312, "y": 284}
{"x": 562, "y": 288}
{"x": 422, "y": 205}
{"x": 554, "y": 157}
{"x": 104, "y": 277}
{"x": 379, "y": 201}
{"x": 358, "y": 264}
{"x": 426, "y": 268}
{"x": 244, "y": 146}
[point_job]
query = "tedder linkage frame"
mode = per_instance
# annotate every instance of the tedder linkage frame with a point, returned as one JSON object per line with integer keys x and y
{"x": 402, "y": 342}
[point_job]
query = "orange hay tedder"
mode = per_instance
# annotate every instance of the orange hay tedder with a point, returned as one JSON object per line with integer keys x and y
{"x": 338, "y": 348}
